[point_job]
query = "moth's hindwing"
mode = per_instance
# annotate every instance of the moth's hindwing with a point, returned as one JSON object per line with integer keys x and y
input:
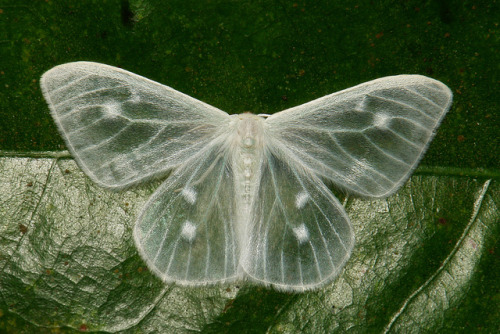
{"x": 299, "y": 234}
{"x": 186, "y": 231}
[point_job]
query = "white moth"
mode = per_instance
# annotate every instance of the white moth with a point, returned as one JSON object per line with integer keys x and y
{"x": 246, "y": 197}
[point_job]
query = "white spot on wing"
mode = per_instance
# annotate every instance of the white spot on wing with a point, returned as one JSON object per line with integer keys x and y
{"x": 113, "y": 109}
{"x": 381, "y": 120}
{"x": 134, "y": 97}
{"x": 189, "y": 195}
{"x": 301, "y": 199}
{"x": 301, "y": 233}
{"x": 188, "y": 231}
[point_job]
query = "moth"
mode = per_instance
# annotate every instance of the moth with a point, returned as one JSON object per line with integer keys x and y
{"x": 246, "y": 195}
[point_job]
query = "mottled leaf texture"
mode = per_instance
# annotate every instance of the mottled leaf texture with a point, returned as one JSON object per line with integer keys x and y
{"x": 245, "y": 198}
{"x": 68, "y": 263}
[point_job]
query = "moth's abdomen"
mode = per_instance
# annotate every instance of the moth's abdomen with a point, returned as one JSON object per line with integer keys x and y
{"x": 247, "y": 157}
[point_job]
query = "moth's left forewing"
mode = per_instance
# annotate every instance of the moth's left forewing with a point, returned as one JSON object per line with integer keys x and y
{"x": 123, "y": 129}
{"x": 366, "y": 139}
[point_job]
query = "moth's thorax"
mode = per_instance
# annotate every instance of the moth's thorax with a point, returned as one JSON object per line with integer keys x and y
{"x": 247, "y": 155}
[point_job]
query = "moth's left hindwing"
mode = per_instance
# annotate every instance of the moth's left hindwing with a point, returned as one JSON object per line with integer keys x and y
{"x": 186, "y": 232}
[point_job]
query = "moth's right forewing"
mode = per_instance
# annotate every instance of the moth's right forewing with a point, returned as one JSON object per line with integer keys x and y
{"x": 366, "y": 139}
{"x": 122, "y": 128}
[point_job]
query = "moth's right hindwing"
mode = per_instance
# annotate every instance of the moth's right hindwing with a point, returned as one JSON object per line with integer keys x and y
{"x": 299, "y": 236}
{"x": 186, "y": 232}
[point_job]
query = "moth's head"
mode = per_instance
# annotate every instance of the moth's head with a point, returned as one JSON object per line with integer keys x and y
{"x": 250, "y": 129}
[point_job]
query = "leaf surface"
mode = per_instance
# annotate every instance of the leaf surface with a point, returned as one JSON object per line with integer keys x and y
{"x": 68, "y": 261}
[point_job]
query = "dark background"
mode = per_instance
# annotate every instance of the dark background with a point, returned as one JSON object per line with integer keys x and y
{"x": 259, "y": 56}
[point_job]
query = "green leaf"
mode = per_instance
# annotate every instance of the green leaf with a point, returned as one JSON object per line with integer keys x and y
{"x": 68, "y": 261}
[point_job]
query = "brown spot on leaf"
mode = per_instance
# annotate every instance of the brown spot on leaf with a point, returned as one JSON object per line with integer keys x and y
{"x": 229, "y": 304}
{"x": 23, "y": 228}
